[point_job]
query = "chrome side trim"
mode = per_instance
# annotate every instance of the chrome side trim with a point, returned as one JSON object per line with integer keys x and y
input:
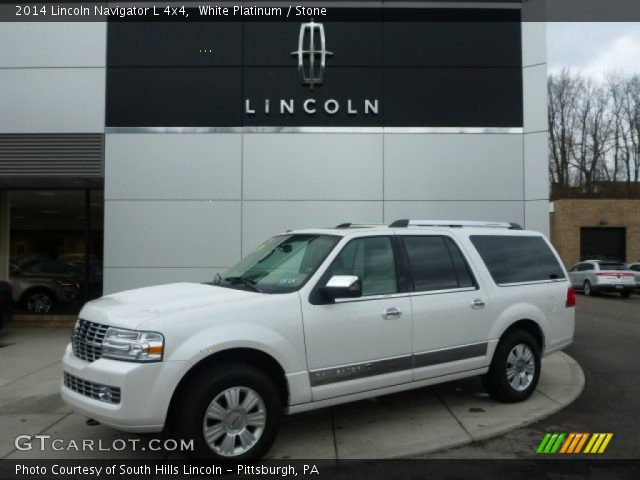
{"x": 446, "y": 355}
{"x": 325, "y": 376}
{"x": 267, "y": 129}
{"x": 360, "y": 370}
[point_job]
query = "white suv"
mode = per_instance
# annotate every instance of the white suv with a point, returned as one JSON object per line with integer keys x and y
{"x": 314, "y": 318}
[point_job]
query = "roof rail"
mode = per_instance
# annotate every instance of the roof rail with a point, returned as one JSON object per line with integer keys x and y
{"x": 358, "y": 225}
{"x": 454, "y": 223}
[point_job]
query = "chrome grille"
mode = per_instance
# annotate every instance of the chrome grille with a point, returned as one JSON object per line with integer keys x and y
{"x": 97, "y": 391}
{"x": 87, "y": 340}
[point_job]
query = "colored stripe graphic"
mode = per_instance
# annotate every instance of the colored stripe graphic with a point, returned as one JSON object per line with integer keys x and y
{"x": 573, "y": 443}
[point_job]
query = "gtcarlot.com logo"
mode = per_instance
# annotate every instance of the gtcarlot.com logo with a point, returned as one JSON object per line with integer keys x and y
{"x": 574, "y": 443}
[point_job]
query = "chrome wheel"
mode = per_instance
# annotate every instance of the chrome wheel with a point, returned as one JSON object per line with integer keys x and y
{"x": 234, "y": 421}
{"x": 521, "y": 367}
{"x": 39, "y": 303}
{"x": 587, "y": 288}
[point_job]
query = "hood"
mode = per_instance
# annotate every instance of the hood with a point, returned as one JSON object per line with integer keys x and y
{"x": 130, "y": 308}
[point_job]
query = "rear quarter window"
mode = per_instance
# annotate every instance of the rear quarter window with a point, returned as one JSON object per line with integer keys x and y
{"x": 517, "y": 259}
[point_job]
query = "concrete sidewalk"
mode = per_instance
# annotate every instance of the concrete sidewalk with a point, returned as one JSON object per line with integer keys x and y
{"x": 399, "y": 425}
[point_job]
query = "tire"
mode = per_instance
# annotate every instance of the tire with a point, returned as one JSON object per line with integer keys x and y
{"x": 626, "y": 293}
{"x": 39, "y": 301}
{"x": 210, "y": 391}
{"x": 587, "y": 289}
{"x": 517, "y": 387}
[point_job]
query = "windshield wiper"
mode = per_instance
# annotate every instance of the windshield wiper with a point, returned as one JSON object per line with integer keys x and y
{"x": 247, "y": 282}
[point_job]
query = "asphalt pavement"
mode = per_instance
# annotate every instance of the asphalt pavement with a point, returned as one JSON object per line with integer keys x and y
{"x": 607, "y": 347}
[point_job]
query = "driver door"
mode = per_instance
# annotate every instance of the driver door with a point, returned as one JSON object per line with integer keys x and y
{"x": 364, "y": 343}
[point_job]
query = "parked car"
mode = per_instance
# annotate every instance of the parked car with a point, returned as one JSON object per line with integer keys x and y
{"x": 45, "y": 284}
{"x": 6, "y": 301}
{"x": 314, "y": 318}
{"x": 592, "y": 276}
{"x": 635, "y": 268}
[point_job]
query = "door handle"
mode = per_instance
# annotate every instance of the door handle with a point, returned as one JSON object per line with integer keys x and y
{"x": 477, "y": 303}
{"x": 391, "y": 313}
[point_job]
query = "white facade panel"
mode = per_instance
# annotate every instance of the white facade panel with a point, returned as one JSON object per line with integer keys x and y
{"x": 193, "y": 234}
{"x": 312, "y": 166}
{"x": 53, "y": 44}
{"x": 507, "y": 211}
{"x": 52, "y": 100}
{"x": 119, "y": 279}
{"x": 537, "y": 216}
{"x": 536, "y": 166}
{"x": 262, "y": 220}
{"x": 534, "y": 43}
{"x": 173, "y": 166}
{"x": 534, "y": 82}
{"x": 453, "y": 167}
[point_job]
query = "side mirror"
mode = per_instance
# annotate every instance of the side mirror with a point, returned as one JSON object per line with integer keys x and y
{"x": 342, "y": 286}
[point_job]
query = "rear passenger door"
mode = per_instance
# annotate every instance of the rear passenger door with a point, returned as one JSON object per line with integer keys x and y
{"x": 450, "y": 321}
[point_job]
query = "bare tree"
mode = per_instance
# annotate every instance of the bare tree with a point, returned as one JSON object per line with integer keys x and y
{"x": 594, "y": 135}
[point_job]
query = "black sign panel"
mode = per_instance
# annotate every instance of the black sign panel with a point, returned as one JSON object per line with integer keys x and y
{"x": 174, "y": 97}
{"x": 376, "y": 73}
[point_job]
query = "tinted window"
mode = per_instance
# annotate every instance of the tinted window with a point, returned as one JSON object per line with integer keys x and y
{"x": 585, "y": 267}
{"x": 635, "y": 268}
{"x": 436, "y": 263}
{"x": 612, "y": 266}
{"x": 372, "y": 260}
{"x": 515, "y": 259}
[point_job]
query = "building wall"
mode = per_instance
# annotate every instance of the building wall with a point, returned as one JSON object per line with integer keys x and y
{"x": 183, "y": 206}
{"x": 570, "y": 215}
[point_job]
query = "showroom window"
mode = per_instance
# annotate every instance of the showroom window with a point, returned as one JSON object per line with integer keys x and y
{"x": 55, "y": 249}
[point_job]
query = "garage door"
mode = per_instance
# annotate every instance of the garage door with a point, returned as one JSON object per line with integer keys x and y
{"x": 603, "y": 243}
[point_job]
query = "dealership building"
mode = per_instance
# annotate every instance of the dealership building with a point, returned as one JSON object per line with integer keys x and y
{"x": 164, "y": 152}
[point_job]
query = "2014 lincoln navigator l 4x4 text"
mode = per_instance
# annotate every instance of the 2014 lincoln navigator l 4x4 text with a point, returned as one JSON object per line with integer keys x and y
{"x": 318, "y": 317}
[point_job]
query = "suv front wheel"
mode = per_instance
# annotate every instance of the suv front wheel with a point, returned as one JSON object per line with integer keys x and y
{"x": 232, "y": 412}
{"x": 515, "y": 368}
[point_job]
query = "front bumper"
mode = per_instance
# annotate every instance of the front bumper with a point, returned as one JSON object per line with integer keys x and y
{"x": 146, "y": 391}
{"x": 610, "y": 287}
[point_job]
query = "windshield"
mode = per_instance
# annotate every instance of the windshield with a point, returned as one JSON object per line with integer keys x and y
{"x": 282, "y": 264}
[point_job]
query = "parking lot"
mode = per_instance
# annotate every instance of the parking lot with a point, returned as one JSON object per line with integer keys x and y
{"x": 606, "y": 346}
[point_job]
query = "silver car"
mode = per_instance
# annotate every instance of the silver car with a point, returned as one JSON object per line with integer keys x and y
{"x": 593, "y": 276}
{"x": 635, "y": 268}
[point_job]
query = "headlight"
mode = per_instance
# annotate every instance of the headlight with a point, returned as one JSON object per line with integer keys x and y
{"x": 132, "y": 345}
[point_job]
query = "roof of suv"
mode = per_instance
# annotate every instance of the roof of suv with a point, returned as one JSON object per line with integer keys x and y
{"x": 420, "y": 225}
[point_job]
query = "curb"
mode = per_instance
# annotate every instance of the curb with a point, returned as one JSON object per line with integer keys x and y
{"x": 425, "y": 420}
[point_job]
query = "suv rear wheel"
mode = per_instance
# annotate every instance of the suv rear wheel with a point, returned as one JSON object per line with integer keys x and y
{"x": 232, "y": 412}
{"x": 586, "y": 288}
{"x": 515, "y": 368}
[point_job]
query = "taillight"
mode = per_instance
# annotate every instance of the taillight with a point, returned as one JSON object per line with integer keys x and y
{"x": 614, "y": 274}
{"x": 571, "y": 297}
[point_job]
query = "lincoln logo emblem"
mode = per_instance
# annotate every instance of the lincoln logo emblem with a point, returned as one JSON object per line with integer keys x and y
{"x": 311, "y": 61}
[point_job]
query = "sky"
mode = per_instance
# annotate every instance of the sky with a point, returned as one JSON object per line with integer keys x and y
{"x": 593, "y": 48}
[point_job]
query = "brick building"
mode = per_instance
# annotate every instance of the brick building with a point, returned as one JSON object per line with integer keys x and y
{"x": 596, "y": 228}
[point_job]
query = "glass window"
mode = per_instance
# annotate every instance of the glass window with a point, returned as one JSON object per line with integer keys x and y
{"x": 517, "y": 259}
{"x": 373, "y": 261}
{"x": 635, "y": 268}
{"x": 436, "y": 263}
{"x": 585, "y": 267}
{"x": 55, "y": 249}
{"x": 612, "y": 266}
{"x": 280, "y": 265}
